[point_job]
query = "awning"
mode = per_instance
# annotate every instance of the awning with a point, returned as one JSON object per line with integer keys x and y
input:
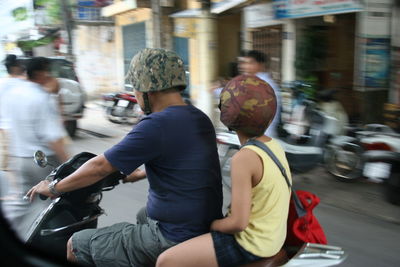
{"x": 188, "y": 13}
{"x": 216, "y": 8}
{"x": 27, "y": 45}
{"x": 29, "y": 41}
{"x": 118, "y": 8}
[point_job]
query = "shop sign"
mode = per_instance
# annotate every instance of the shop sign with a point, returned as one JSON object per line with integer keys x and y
{"x": 289, "y": 9}
{"x": 260, "y": 16}
{"x": 377, "y": 62}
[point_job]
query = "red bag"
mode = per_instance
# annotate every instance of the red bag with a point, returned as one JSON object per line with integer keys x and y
{"x": 302, "y": 225}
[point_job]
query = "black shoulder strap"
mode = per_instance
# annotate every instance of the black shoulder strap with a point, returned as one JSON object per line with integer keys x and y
{"x": 299, "y": 207}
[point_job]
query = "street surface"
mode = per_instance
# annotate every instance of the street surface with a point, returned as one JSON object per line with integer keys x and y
{"x": 355, "y": 216}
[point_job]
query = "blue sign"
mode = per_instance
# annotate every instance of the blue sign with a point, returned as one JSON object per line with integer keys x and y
{"x": 289, "y": 9}
{"x": 377, "y": 62}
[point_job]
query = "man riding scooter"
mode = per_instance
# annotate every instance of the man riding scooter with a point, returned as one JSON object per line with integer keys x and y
{"x": 182, "y": 167}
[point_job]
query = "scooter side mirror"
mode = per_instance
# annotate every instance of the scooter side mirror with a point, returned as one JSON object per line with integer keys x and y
{"x": 40, "y": 158}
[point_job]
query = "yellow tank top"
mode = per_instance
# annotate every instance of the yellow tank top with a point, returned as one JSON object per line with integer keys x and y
{"x": 266, "y": 232}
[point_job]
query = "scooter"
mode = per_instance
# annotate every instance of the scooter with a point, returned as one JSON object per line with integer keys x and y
{"x": 79, "y": 209}
{"x": 308, "y": 255}
{"x": 122, "y": 107}
{"x": 372, "y": 152}
{"x": 307, "y": 125}
{"x": 71, "y": 212}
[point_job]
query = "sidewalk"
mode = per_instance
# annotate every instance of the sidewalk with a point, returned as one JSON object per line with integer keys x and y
{"x": 360, "y": 196}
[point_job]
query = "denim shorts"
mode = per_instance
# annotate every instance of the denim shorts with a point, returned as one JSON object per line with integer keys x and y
{"x": 229, "y": 252}
{"x": 122, "y": 244}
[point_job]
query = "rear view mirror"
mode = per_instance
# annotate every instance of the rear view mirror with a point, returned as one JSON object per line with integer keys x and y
{"x": 40, "y": 158}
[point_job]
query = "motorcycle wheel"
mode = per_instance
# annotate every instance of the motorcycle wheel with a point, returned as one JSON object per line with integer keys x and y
{"x": 134, "y": 113}
{"x": 110, "y": 116}
{"x": 344, "y": 162}
{"x": 392, "y": 187}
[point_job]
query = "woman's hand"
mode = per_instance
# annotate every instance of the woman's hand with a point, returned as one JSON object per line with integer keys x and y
{"x": 214, "y": 225}
{"x": 136, "y": 175}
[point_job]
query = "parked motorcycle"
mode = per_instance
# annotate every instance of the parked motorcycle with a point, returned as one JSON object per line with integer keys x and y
{"x": 71, "y": 212}
{"x": 372, "y": 152}
{"x": 122, "y": 107}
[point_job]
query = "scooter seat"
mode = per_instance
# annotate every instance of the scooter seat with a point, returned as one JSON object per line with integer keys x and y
{"x": 279, "y": 259}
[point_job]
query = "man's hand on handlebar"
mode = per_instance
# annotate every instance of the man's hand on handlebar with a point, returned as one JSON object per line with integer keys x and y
{"x": 136, "y": 175}
{"x": 41, "y": 188}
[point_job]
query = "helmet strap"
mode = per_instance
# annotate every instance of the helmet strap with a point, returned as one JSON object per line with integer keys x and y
{"x": 147, "y": 107}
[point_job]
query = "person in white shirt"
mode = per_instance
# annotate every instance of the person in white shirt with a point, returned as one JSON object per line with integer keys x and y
{"x": 16, "y": 73}
{"x": 31, "y": 119}
{"x": 256, "y": 63}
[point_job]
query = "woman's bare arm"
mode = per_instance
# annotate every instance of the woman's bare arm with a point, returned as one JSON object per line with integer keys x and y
{"x": 243, "y": 167}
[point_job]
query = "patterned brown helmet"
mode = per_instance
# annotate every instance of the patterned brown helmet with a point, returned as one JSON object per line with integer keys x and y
{"x": 156, "y": 69}
{"x": 247, "y": 104}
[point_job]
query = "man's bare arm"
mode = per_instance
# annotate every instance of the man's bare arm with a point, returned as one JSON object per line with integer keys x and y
{"x": 89, "y": 173}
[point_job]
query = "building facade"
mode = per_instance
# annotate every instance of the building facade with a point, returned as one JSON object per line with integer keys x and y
{"x": 345, "y": 45}
{"x": 342, "y": 45}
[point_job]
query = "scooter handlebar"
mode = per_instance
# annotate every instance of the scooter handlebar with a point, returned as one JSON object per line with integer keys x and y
{"x": 43, "y": 197}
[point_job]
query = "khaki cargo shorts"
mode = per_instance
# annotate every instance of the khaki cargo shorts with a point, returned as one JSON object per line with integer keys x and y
{"x": 122, "y": 244}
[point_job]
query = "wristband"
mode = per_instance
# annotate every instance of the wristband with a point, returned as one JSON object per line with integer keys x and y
{"x": 53, "y": 189}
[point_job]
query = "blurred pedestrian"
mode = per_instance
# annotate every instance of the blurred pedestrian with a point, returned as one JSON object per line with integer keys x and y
{"x": 256, "y": 63}
{"x": 16, "y": 73}
{"x": 220, "y": 83}
{"x": 32, "y": 122}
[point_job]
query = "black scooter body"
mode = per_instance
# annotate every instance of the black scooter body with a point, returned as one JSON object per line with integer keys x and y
{"x": 72, "y": 212}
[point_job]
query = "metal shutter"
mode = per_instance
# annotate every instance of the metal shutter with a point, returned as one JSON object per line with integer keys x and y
{"x": 134, "y": 36}
{"x": 269, "y": 41}
{"x": 181, "y": 47}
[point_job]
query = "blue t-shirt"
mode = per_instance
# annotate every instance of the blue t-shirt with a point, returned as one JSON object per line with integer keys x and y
{"x": 178, "y": 148}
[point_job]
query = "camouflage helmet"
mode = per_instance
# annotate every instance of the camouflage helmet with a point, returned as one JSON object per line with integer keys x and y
{"x": 155, "y": 69}
{"x": 247, "y": 104}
